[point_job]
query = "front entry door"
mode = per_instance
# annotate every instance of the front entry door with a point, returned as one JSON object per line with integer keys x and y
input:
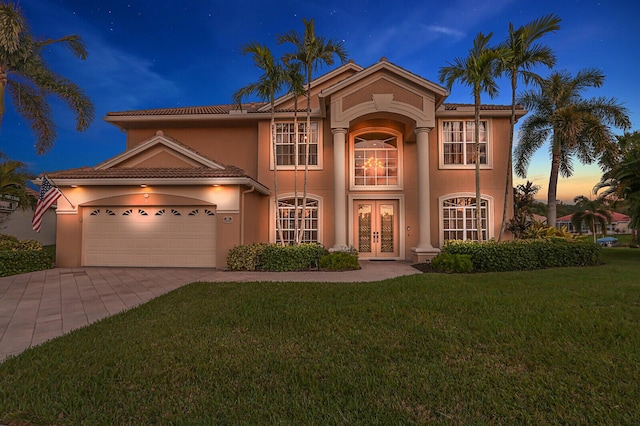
{"x": 376, "y": 228}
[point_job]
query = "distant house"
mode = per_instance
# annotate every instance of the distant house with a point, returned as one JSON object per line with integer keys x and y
{"x": 17, "y": 222}
{"x": 391, "y": 173}
{"x": 619, "y": 224}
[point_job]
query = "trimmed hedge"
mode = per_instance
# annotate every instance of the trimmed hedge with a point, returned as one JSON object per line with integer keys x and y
{"x": 340, "y": 261}
{"x": 522, "y": 255}
{"x": 291, "y": 258}
{"x": 22, "y": 256}
{"x": 14, "y": 262}
{"x": 452, "y": 263}
{"x": 274, "y": 257}
{"x": 245, "y": 257}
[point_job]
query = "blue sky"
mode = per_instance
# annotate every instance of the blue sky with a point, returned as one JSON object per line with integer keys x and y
{"x": 160, "y": 53}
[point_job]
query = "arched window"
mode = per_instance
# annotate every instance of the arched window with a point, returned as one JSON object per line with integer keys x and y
{"x": 375, "y": 160}
{"x": 287, "y": 211}
{"x": 459, "y": 218}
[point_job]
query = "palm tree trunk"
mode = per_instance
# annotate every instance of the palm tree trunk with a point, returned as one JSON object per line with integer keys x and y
{"x": 509, "y": 176}
{"x": 3, "y": 85}
{"x": 477, "y": 149}
{"x": 306, "y": 154}
{"x": 296, "y": 223}
{"x": 275, "y": 177}
{"x": 553, "y": 186}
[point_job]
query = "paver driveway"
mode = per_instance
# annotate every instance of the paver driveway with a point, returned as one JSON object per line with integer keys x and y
{"x": 42, "y": 305}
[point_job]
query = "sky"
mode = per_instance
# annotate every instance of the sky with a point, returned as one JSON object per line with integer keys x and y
{"x": 171, "y": 53}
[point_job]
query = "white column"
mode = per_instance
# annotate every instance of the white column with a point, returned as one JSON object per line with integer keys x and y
{"x": 424, "y": 248}
{"x": 339, "y": 184}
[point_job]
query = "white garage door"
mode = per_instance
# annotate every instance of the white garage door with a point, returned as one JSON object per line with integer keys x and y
{"x": 149, "y": 236}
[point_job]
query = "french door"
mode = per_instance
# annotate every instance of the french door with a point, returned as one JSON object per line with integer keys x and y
{"x": 376, "y": 228}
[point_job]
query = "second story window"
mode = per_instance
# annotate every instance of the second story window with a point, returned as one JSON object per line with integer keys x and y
{"x": 458, "y": 143}
{"x": 286, "y": 144}
{"x": 375, "y": 160}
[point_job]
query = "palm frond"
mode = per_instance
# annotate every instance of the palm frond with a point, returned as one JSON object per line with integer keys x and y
{"x": 12, "y": 24}
{"x": 32, "y": 104}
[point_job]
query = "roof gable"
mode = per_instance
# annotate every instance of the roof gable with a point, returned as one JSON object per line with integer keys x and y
{"x": 395, "y": 72}
{"x": 317, "y": 86}
{"x": 160, "y": 151}
{"x": 383, "y": 88}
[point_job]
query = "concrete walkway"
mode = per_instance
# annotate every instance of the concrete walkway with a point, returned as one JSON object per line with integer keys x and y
{"x": 42, "y": 305}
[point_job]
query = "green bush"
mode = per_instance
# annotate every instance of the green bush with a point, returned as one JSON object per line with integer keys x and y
{"x": 14, "y": 262}
{"x": 245, "y": 257}
{"x": 340, "y": 261}
{"x": 291, "y": 258}
{"x": 522, "y": 255}
{"x": 18, "y": 257}
{"x": 8, "y": 242}
{"x": 274, "y": 257}
{"x": 452, "y": 263}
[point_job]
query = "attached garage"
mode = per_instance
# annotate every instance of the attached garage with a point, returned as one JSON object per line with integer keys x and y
{"x": 181, "y": 236}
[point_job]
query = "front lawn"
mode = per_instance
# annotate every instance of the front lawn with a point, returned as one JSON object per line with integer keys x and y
{"x": 557, "y": 346}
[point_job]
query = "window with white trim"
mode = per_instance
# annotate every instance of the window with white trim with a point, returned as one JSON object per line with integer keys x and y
{"x": 459, "y": 219}
{"x": 286, "y": 147}
{"x": 375, "y": 161}
{"x": 458, "y": 142}
{"x": 288, "y": 209}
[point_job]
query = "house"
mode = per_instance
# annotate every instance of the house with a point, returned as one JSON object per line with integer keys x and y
{"x": 619, "y": 224}
{"x": 17, "y": 222}
{"x": 391, "y": 173}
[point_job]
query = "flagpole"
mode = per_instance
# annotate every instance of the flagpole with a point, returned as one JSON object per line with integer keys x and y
{"x": 62, "y": 193}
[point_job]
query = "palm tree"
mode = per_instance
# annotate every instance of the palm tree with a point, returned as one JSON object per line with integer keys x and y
{"x": 577, "y": 127}
{"x": 312, "y": 52}
{"x": 295, "y": 82}
{"x": 269, "y": 83}
{"x": 621, "y": 179}
{"x": 520, "y": 55}
{"x": 478, "y": 71}
{"x": 12, "y": 184}
{"x": 592, "y": 213}
{"x": 523, "y": 203}
{"x": 26, "y": 76}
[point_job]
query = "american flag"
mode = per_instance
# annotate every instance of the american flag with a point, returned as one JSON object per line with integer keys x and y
{"x": 49, "y": 193}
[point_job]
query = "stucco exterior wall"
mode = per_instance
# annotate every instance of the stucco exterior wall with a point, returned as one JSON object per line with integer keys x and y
{"x": 221, "y": 142}
{"x": 18, "y": 224}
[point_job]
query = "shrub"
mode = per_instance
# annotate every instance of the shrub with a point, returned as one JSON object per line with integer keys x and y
{"x": 452, "y": 263}
{"x": 8, "y": 242}
{"x": 29, "y": 245}
{"x": 519, "y": 255}
{"x": 291, "y": 258}
{"x": 340, "y": 261}
{"x": 245, "y": 257}
{"x": 14, "y": 262}
{"x": 539, "y": 231}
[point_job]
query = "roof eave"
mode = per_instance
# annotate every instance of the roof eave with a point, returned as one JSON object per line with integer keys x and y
{"x": 246, "y": 181}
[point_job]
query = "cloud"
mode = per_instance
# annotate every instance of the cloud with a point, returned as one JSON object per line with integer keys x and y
{"x": 437, "y": 30}
{"x": 114, "y": 77}
{"x": 122, "y": 80}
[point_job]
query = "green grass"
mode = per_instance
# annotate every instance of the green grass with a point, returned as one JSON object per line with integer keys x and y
{"x": 555, "y": 346}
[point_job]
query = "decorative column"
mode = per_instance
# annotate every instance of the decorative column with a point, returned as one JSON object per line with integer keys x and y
{"x": 340, "y": 195}
{"x": 424, "y": 250}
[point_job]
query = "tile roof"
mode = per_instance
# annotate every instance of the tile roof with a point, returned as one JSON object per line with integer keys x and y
{"x": 147, "y": 173}
{"x": 615, "y": 218}
{"x": 194, "y": 110}
{"x": 254, "y": 108}
{"x": 484, "y": 107}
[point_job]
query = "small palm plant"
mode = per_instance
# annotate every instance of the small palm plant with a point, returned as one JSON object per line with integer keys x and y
{"x": 592, "y": 213}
